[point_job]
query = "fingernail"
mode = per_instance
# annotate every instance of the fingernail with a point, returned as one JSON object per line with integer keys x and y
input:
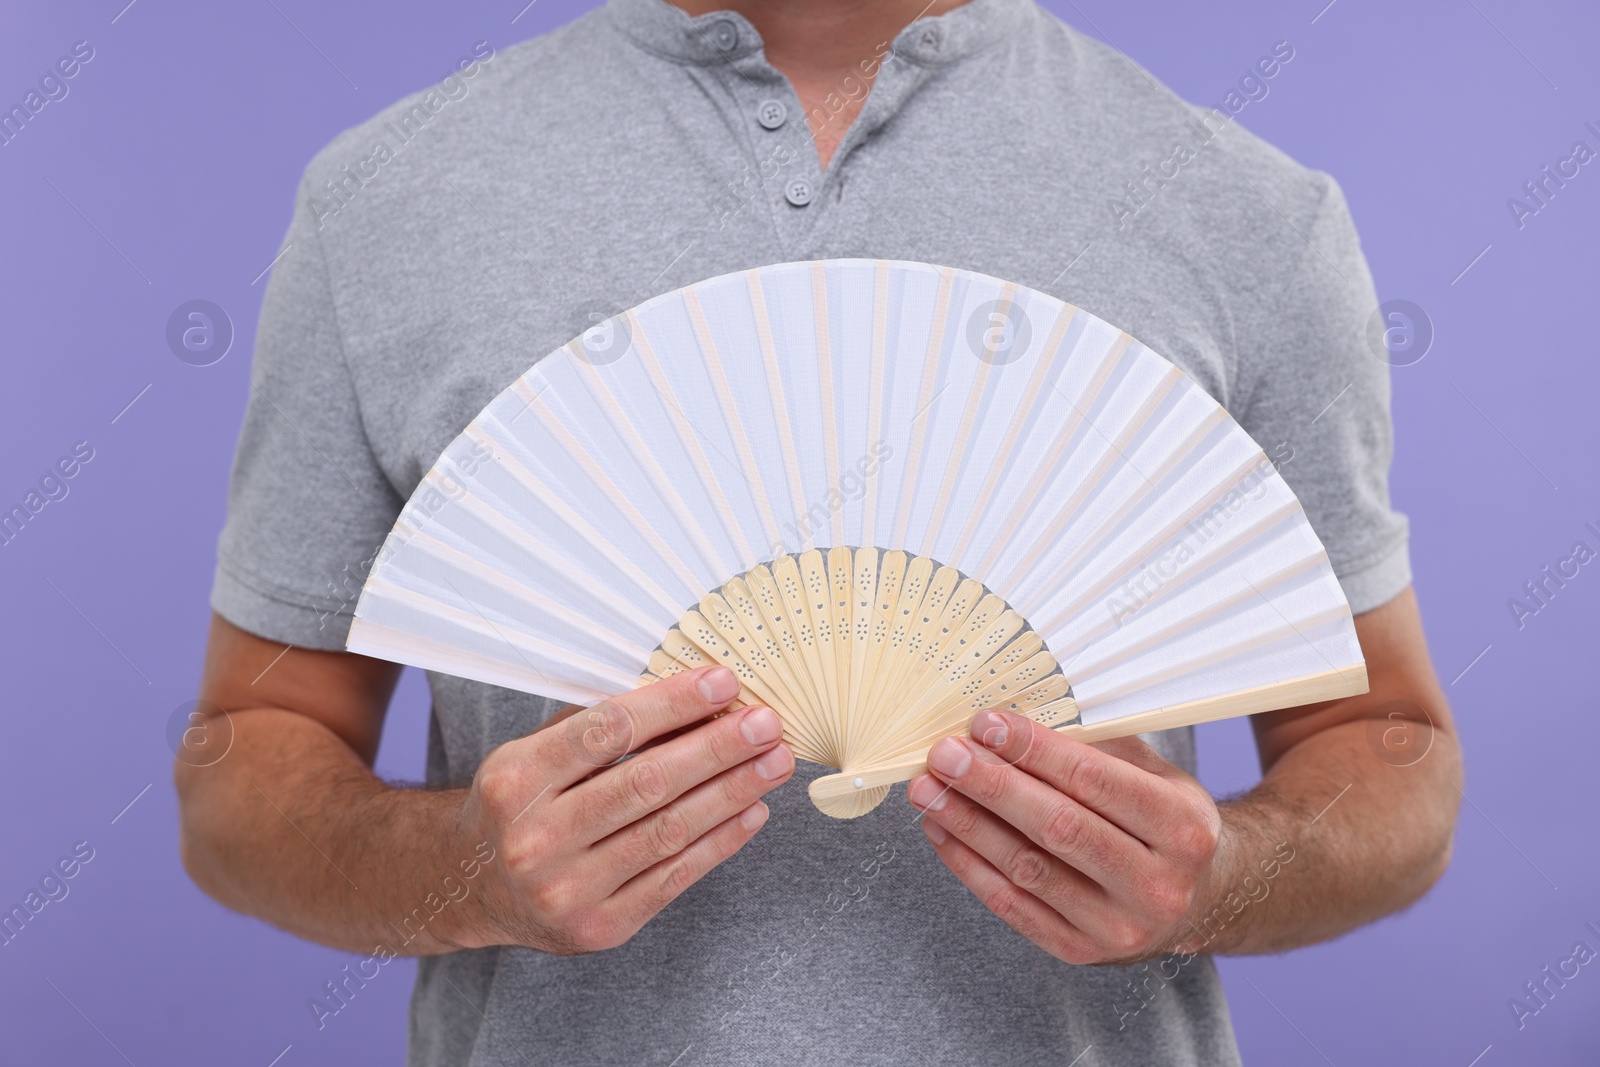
{"x": 775, "y": 764}
{"x": 991, "y": 729}
{"x": 760, "y": 726}
{"x": 950, "y": 758}
{"x": 719, "y": 686}
{"x": 754, "y": 817}
{"x": 936, "y": 833}
{"x": 927, "y": 793}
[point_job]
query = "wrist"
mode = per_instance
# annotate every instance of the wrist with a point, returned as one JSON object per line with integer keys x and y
{"x": 1231, "y": 901}
{"x": 468, "y": 918}
{"x": 444, "y": 909}
{"x": 1200, "y": 930}
{"x": 472, "y": 862}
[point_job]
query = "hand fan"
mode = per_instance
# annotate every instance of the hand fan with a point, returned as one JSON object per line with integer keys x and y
{"x": 888, "y": 495}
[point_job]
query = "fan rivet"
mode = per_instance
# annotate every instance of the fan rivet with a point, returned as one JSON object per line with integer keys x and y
{"x": 859, "y": 783}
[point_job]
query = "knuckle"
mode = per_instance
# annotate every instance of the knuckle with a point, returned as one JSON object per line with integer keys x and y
{"x": 1169, "y": 901}
{"x": 1125, "y": 939}
{"x": 1102, "y": 855}
{"x": 644, "y": 784}
{"x": 1005, "y": 904}
{"x": 498, "y": 786}
{"x": 1030, "y": 743}
{"x": 1087, "y": 779}
{"x": 669, "y": 833}
{"x": 1196, "y": 840}
{"x": 553, "y": 898}
{"x": 676, "y": 699}
{"x": 1028, "y": 868}
{"x": 725, "y": 745}
{"x": 989, "y": 784}
{"x": 601, "y": 734}
{"x": 677, "y": 878}
{"x": 735, "y": 791}
{"x": 1067, "y": 833}
{"x": 960, "y": 819}
{"x": 1211, "y": 821}
{"x": 523, "y": 853}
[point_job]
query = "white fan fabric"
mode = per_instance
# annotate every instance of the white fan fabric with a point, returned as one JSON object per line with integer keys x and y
{"x": 1086, "y": 480}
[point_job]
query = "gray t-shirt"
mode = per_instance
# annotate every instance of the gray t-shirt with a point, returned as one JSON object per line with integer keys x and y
{"x": 441, "y": 248}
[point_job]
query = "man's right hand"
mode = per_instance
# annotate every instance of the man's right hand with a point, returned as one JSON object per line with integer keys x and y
{"x": 587, "y": 850}
{"x": 286, "y": 821}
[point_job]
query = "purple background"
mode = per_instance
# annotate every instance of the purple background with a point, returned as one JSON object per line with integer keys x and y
{"x": 174, "y": 160}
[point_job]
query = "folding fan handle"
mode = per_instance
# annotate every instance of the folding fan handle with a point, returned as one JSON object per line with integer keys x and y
{"x": 837, "y": 793}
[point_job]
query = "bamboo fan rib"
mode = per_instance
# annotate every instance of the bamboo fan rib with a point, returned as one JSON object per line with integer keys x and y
{"x": 880, "y": 665}
{"x": 888, "y": 496}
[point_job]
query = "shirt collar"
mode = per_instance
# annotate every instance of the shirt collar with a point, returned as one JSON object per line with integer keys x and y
{"x": 720, "y": 36}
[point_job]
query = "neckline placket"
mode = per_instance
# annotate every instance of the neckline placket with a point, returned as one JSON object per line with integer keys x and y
{"x": 763, "y": 103}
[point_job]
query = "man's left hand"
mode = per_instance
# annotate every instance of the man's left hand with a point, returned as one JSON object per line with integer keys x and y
{"x": 1095, "y": 853}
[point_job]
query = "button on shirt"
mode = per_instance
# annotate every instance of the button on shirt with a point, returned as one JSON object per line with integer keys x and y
{"x": 724, "y": 34}
{"x": 634, "y": 151}
{"x": 771, "y": 114}
{"x": 799, "y": 192}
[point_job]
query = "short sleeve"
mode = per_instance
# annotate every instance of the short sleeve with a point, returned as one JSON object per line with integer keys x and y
{"x": 308, "y": 504}
{"x": 1318, "y": 403}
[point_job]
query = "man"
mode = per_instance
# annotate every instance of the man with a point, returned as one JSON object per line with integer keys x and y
{"x": 660, "y": 910}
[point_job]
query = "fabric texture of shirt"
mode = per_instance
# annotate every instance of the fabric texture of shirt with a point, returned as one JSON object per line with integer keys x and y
{"x": 440, "y": 249}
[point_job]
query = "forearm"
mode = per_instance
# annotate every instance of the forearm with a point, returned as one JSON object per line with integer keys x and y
{"x": 292, "y": 827}
{"x": 1333, "y": 837}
